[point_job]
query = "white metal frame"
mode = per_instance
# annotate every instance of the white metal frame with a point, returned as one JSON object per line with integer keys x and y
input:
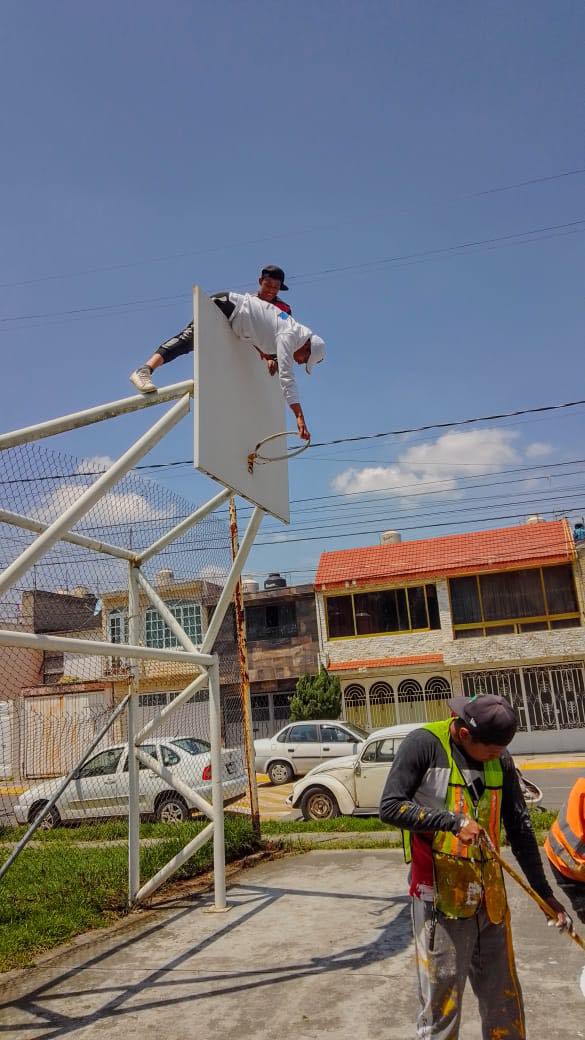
{"x": 202, "y": 658}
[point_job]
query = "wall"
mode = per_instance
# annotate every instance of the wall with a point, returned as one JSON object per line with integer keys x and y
{"x": 18, "y": 667}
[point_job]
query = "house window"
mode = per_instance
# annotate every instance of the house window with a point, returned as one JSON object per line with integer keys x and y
{"x": 159, "y": 635}
{"x": 118, "y": 626}
{"x": 340, "y": 616}
{"x": 271, "y": 621}
{"x": 389, "y": 611}
{"x": 530, "y": 600}
{"x": 152, "y": 700}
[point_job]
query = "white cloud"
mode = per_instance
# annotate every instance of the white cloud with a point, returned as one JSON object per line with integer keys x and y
{"x": 99, "y": 463}
{"x": 538, "y": 450}
{"x": 453, "y": 455}
{"x": 116, "y": 507}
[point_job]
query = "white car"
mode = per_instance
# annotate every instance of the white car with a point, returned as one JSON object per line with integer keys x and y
{"x": 302, "y": 745}
{"x": 353, "y": 786}
{"x": 350, "y": 786}
{"x": 100, "y": 787}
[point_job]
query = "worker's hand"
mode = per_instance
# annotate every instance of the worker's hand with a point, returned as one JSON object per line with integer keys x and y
{"x": 564, "y": 921}
{"x": 303, "y": 431}
{"x": 272, "y": 366}
{"x": 470, "y": 832}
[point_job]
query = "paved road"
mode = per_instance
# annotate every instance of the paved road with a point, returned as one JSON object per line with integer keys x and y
{"x": 555, "y": 784}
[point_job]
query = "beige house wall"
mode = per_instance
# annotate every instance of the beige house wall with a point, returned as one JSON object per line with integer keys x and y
{"x": 488, "y": 653}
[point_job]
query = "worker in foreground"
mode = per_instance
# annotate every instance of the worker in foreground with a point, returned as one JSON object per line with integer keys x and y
{"x": 451, "y": 783}
{"x": 565, "y": 848}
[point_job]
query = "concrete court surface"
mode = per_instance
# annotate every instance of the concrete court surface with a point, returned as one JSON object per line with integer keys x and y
{"x": 315, "y": 945}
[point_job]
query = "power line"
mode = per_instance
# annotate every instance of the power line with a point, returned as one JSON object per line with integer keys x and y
{"x": 563, "y": 175}
{"x": 419, "y": 527}
{"x": 98, "y": 559}
{"x": 449, "y": 425}
{"x": 426, "y": 254}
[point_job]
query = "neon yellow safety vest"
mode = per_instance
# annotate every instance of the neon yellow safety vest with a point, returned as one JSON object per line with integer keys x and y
{"x": 465, "y": 876}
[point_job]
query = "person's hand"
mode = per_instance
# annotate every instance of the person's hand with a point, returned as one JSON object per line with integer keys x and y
{"x": 272, "y": 366}
{"x": 303, "y": 431}
{"x": 563, "y": 921}
{"x": 470, "y": 832}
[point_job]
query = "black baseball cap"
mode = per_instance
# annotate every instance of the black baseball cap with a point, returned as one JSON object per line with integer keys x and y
{"x": 489, "y": 718}
{"x": 271, "y": 271}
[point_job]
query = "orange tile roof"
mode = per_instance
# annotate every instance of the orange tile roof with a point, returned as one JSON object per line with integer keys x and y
{"x": 505, "y": 548}
{"x": 386, "y": 662}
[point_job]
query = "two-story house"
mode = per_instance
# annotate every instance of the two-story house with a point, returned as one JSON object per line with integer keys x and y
{"x": 281, "y": 628}
{"x": 406, "y": 624}
{"x": 283, "y": 644}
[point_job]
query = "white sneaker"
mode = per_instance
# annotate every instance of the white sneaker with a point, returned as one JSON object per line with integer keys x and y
{"x": 142, "y": 380}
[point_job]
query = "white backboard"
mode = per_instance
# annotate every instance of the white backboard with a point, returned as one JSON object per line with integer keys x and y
{"x": 237, "y": 404}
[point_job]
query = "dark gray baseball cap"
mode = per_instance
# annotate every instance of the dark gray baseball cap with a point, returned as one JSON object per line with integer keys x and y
{"x": 490, "y": 719}
{"x": 272, "y": 271}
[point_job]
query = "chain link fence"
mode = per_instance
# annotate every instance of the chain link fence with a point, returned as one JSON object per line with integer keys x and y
{"x": 53, "y": 703}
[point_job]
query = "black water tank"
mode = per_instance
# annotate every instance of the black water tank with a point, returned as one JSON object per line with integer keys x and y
{"x": 275, "y": 581}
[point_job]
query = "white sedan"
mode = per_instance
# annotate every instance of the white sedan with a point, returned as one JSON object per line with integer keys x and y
{"x": 99, "y": 789}
{"x": 301, "y": 745}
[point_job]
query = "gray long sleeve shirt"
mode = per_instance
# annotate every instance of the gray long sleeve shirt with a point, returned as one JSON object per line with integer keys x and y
{"x": 421, "y": 752}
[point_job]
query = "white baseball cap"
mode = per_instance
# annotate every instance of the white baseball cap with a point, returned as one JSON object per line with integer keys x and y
{"x": 317, "y": 352}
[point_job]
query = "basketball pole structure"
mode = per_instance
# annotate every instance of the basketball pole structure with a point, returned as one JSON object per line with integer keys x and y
{"x": 205, "y": 663}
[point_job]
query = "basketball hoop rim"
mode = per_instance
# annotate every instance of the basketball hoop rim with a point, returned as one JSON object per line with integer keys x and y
{"x": 255, "y": 455}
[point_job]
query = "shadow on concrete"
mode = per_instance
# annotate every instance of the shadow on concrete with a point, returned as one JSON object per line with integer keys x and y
{"x": 45, "y": 1005}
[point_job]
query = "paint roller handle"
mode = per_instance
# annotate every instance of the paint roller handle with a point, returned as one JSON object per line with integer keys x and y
{"x": 554, "y": 910}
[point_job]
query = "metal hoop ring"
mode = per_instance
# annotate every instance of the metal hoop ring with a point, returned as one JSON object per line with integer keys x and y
{"x": 255, "y": 455}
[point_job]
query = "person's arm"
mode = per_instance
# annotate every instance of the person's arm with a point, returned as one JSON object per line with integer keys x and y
{"x": 518, "y": 828}
{"x": 416, "y": 754}
{"x": 285, "y": 345}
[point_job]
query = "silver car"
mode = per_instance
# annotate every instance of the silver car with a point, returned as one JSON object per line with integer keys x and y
{"x": 301, "y": 746}
{"x": 100, "y": 787}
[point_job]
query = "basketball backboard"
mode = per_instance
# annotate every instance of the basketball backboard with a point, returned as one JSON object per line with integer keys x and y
{"x": 237, "y": 404}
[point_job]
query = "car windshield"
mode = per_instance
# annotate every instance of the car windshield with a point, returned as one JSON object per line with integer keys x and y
{"x": 360, "y": 733}
{"x": 194, "y": 745}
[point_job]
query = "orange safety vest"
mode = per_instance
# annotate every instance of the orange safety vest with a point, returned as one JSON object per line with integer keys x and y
{"x": 565, "y": 842}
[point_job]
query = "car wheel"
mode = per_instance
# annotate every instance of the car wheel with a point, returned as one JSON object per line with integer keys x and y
{"x": 171, "y": 809}
{"x": 319, "y": 804}
{"x": 51, "y": 820}
{"x": 280, "y": 772}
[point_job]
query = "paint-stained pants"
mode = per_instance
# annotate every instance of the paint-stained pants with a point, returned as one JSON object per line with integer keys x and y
{"x": 473, "y": 948}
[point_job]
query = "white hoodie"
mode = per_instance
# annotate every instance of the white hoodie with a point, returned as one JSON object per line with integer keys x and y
{"x": 274, "y": 332}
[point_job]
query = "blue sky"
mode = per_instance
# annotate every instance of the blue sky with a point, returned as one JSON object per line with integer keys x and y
{"x": 150, "y": 147}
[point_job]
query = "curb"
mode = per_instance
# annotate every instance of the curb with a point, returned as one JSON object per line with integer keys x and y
{"x": 532, "y": 766}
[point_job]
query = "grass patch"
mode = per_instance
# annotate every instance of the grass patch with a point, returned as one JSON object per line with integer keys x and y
{"x": 108, "y": 830}
{"x": 55, "y": 892}
{"x": 541, "y": 822}
{"x": 339, "y": 823}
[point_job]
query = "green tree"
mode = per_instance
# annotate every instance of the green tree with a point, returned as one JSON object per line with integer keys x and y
{"x": 316, "y": 697}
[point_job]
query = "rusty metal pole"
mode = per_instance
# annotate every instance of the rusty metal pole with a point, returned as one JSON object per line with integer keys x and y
{"x": 244, "y": 677}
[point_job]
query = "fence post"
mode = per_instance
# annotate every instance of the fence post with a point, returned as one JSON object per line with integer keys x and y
{"x": 244, "y": 677}
{"x": 217, "y": 786}
{"x": 134, "y": 636}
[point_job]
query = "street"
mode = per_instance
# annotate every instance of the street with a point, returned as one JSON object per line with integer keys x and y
{"x": 555, "y": 784}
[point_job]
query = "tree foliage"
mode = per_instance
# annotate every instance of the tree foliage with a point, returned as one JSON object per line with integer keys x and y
{"x": 316, "y": 697}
